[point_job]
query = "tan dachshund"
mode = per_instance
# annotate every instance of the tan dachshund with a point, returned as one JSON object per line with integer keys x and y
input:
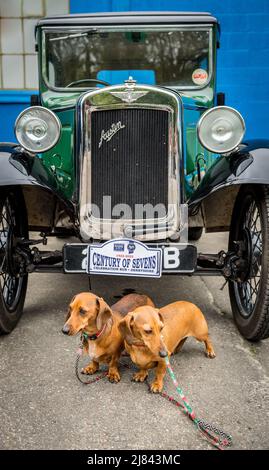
{"x": 150, "y": 334}
{"x": 91, "y": 315}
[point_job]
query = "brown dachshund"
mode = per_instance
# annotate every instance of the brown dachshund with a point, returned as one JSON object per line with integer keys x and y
{"x": 91, "y": 315}
{"x": 150, "y": 334}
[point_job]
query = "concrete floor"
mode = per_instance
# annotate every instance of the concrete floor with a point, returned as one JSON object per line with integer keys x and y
{"x": 42, "y": 405}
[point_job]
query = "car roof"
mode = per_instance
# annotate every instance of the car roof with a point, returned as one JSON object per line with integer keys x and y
{"x": 131, "y": 17}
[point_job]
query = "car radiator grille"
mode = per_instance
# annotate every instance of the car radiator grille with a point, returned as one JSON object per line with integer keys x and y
{"x": 132, "y": 166}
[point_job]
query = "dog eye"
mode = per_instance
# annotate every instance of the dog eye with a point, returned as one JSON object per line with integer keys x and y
{"x": 148, "y": 332}
{"x": 82, "y": 311}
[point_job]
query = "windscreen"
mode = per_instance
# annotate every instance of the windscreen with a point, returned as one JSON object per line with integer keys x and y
{"x": 81, "y": 58}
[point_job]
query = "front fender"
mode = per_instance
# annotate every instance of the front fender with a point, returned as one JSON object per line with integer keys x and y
{"x": 20, "y": 168}
{"x": 44, "y": 201}
{"x": 248, "y": 165}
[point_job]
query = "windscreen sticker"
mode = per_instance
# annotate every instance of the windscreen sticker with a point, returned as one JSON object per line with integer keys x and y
{"x": 199, "y": 76}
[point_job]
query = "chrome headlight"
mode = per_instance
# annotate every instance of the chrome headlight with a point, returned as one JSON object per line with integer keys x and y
{"x": 37, "y": 129}
{"x": 221, "y": 129}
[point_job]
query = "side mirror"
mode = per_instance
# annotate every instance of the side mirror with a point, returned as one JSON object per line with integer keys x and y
{"x": 220, "y": 99}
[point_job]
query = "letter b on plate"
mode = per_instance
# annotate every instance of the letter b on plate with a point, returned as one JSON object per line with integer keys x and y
{"x": 171, "y": 257}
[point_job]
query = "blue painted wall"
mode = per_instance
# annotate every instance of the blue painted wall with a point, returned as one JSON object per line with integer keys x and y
{"x": 243, "y": 60}
{"x": 12, "y": 102}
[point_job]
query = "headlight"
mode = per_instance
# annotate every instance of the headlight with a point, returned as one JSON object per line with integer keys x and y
{"x": 37, "y": 129}
{"x": 221, "y": 129}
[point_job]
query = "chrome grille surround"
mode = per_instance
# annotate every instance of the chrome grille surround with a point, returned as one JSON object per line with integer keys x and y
{"x": 110, "y": 98}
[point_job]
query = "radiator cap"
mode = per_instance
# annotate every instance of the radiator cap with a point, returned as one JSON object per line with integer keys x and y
{"x": 130, "y": 83}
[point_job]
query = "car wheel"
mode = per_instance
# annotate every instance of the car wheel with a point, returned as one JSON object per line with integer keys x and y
{"x": 250, "y": 295}
{"x": 13, "y": 284}
{"x": 195, "y": 233}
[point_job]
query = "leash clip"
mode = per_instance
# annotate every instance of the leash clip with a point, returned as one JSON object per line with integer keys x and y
{"x": 92, "y": 337}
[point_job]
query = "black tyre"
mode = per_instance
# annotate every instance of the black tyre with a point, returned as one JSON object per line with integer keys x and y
{"x": 195, "y": 233}
{"x": 250, "y": 297}
{"x": 13, "y": 286}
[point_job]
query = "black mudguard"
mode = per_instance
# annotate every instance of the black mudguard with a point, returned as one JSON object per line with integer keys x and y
{"x": 20, "y": 168}
{"x": 248, "y": 165}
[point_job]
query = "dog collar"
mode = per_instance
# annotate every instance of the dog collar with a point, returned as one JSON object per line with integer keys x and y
{"x": 96, "y": 335}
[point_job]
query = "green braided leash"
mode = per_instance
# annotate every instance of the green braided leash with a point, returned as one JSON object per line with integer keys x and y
{"x": 215, "y": 436}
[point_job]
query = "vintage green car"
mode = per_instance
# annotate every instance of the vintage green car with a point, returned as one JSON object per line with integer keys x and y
{"x": 129, "y": 148}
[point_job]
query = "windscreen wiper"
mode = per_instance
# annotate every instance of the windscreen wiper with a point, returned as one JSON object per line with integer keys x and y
{"x": 74, "y": 35}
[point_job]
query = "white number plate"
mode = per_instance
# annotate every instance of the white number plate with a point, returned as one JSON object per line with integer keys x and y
{"x": 124, "y": 257}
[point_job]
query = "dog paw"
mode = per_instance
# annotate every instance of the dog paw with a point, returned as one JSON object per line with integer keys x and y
{"x": 140, "y": 376}
{"x": 210, "y": 354}
{"x": 113, "y": 376}
{"x": 89, "y": 370}
{"x": 156, "y": 386}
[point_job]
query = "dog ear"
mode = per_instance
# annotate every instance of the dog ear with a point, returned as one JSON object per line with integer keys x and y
{"x": 68, "y": 315}
{"x": 161, "y": 320}
{"x": 125, "y": 328}
{"x": 104, "y": 313}
{"x": 71, "y": 301}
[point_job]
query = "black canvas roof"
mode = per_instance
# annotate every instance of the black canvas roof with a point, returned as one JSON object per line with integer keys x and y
{"x": 132, "y": 17}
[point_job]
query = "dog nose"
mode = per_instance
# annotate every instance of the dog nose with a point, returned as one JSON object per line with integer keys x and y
{"x": 66, "y": 329}
{"x": 163, "y": 353}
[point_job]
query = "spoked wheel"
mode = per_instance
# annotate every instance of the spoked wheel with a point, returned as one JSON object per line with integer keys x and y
{"x": 13, "y": 285}
{"x": 250, "y": 294}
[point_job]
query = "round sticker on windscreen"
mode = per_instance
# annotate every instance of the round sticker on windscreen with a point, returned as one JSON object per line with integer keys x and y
{"x": 199, "y": 76}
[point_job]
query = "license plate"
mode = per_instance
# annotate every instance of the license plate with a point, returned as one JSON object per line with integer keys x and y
{"x": 123, "y": 257}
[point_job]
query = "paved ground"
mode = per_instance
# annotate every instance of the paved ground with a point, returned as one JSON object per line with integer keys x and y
{"x": 42, "y": 405}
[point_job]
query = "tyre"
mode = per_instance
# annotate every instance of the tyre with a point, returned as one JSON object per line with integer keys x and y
{"x": 13, "y": 285}
{"x": 250, "y": 296}
{"x": 195, "y": 233}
